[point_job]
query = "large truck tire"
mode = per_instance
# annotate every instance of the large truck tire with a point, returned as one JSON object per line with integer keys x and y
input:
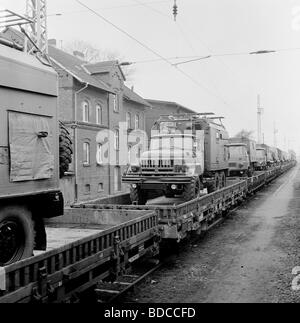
{"x": 138, "y": 196}
{"x": 223, "y": 180}
{"x": 217, "y": 181}
{"x": 17, "y": 234}
{"x": 65, "y": 149}
{"x": 192, "y": 190}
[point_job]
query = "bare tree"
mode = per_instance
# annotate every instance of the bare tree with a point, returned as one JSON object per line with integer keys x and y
{"x": 245, "y": 134}
{"x": 94, "y": 55}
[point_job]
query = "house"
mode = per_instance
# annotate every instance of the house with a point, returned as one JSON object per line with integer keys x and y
{"x": 159, "y": 108}
{"x": 127, "y": 116}
{"x": 102, "y": 112}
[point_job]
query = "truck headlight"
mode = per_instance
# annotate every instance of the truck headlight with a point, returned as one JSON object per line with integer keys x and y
{"x": 181, "y": 168}
{"x": 135, "y": 169}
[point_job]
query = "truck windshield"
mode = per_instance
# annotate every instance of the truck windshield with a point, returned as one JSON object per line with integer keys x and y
{"x": 237, "y": 151}
{"x": 174, "y": 127}
{"x": 172, "y": 142}
{"x": 260, "y": 154}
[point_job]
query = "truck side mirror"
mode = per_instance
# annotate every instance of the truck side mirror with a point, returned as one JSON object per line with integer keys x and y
{"x": 42, "y": 134}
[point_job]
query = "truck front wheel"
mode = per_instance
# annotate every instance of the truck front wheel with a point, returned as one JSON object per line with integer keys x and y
{"x": 138, "y": 196}
{"x": 16, "y": 235}
{"x": 192, "y": 190}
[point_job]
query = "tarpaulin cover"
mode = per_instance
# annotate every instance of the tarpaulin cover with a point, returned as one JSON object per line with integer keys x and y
{"x": 31, "y": 147}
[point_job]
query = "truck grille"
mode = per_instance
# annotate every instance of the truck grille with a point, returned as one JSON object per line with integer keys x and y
{"x": 158, "y": 165}
{"x": 233, "y": 165}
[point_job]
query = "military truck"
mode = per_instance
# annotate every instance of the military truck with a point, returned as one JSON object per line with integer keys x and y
{"x": 275, "y": 155}
{"x": 32, "y": 144}
{"x": 261, "y": 155}
{"x": 188, "y": 155}
{"x": 239, "y": 162}
{"x": 251, "y": 150}
{"x": 269, "y": 156}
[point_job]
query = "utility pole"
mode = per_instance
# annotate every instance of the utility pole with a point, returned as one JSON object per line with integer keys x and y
{"x": 260, "y": 112}
{"x": 36, "y": 10}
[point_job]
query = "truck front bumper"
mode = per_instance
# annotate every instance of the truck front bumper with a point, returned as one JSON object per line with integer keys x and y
{"x": 153, "y": 180}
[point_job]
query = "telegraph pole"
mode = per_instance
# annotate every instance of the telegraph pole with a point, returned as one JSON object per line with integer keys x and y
{"x": 260, "y": 112}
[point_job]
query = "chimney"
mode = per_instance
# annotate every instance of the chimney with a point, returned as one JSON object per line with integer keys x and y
{"x": 52, "y": 42}
{"x": 79, "y": 54}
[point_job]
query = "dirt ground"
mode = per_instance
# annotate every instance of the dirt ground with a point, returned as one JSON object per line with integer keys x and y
{"x": 249, "y": 258}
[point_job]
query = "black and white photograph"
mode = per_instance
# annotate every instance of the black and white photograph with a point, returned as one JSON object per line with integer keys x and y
{"x": 149, "y": 154}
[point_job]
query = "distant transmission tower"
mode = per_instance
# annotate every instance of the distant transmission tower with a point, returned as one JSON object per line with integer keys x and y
{"x": 260, "y": 112}
{"x": 36, "y": 10}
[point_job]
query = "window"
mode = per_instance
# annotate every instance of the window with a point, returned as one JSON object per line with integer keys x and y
{"x": 85, "y": 112}
{"x": 117, "y": 139}
{"x": 137, "y": 121}
{"x": 116, "y": 103}
{"x": 86, "y": 154}
{"x": 99, "y": 156}
{"x": 87, "y": 189}
{"x": 100, "y": 188}
{"x": 99, "y": 115}
{"x": 117, "y": 179}
{"x": 128, "y": 120}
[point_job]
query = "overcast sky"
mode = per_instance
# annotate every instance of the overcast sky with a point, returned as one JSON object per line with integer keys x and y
{"x": 226, "y": 85}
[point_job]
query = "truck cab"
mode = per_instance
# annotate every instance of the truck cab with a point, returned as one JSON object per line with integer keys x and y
{"x": 261, "y": 159}
{"x": 239, "y": 163}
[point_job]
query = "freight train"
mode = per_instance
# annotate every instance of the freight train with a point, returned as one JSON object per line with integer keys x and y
{"x": 190, "y": 153}
{"x": 94, "y": 245}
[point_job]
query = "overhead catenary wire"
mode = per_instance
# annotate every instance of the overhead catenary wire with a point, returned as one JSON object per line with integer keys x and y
{"x": 195, "y": 58}
{"x": 153, "y": 52}
{"x": 105, "y": 8}
{"x": 183, "y": 34}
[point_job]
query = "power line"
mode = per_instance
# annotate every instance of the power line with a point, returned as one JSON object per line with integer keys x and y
{"x": 151, "y": 50}
{"x": 195, "y": 58}
{"x": 181, "y": 30}
{"x": 106, "y": 8}
{"x": 184, "y": 36}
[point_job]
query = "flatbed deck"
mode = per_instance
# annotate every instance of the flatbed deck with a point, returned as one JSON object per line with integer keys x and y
{"x": 97, "y": 241}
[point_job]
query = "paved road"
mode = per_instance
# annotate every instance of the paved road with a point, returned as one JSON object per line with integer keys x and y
{"x": 249, "y": 258}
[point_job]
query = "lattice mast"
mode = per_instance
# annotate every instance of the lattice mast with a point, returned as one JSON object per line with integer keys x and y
{"x": 260, "y": 112}
{"x": 36, "y": 10}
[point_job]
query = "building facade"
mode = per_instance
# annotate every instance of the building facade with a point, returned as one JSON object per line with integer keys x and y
{"x": 100, "y": 112}
{"x": 159, "y": 108}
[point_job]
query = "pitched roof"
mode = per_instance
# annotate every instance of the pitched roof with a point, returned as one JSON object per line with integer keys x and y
{"x": 76, "y": 67}
{"x": 177, "y": 105}
{"x": 80, "y": 69}
{"x": 68, "y": 62}
{"x": 134, "y": 97}
{"x": 104, "y": 67}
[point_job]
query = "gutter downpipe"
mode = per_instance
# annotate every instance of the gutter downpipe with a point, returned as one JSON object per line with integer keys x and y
{"x": 109, "y": 148}
{"x": 76, "y": 138}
